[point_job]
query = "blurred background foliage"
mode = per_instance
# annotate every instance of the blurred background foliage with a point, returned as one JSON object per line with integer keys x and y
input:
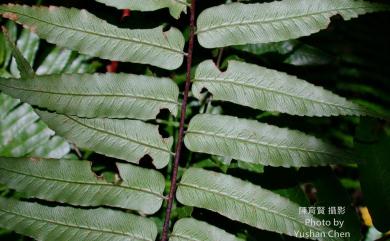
{"x": 349, "y": 58}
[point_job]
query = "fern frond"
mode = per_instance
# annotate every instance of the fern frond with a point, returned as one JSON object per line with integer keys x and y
{"x": 68, "y": 223}
{"x": 98, "y": 95}
{"x": 238, "y": 23}
{"x": 80, "y": 30}
{"x": 244, "y": 202}
{"x": 255, "y": 142}
{"x": 73, "y": 182}
{"x": 270, "y": 90}
{"x": 129, "y": 140}
{"x": 189, "y": 229}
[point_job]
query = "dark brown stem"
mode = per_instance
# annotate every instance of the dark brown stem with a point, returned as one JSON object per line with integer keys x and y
{"x": 219, "y": 58}
{"x": 172, "y": 191}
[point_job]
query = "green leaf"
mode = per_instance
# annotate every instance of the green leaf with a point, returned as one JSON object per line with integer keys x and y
{"x": 6, "y": 52}
{"x": 189, "y": 229}
{"x": 21, "y": 117}
{"x": 67, "y": 223}
{"x": 55, "y": 147}
{"x": 98, "y": 95}
{"x": 307, "y": 55}
{"x": 373, "y": 234}
{"x": 139, "y": 188}
{"x": 283, "y": 47}
{"x": 298, "y": 53}
{"x": 238, "y": 23}
{"x": 55, "y": 62}
{"x": 3, "y": 50}
{"x": 176, "y": 7}
{"x": 21, "y": 134}
{"x": 255, "y": 142}
{"x": 373, "y": 144}
{"x": 252, "y": 167}
{"x": 24, "y": 66}
{"x": 81, "y": 65}
{"x": 7, "y": 104}
{"x": 294, "y": 194}
{"x": 269, "y": 90}
{"x": 330, "y": 193}
{"x": 129, "y": 140}
{"x": 28, "y": 44}
{"x": 80, "y": 30}
{"x": 244, "y": 202}
{"x": 364, "y": 90}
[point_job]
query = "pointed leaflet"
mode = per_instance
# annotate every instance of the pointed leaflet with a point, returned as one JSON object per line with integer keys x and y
{"x": 23, "y": 65}
{"x": 269, "y": 90}
{"x": 244, "y": 202}
{"x": 28, "y": 44}
{"x": 129, "y": 140}
{"x": 191, "y": 229}
{"x": 255, "y": 142}
{"x": 176, "y": 7}
{"x": 68, "y": 223}
{"x": 80, "y": 30}
{"x": 238, "y": 23}
{"x": 98, "y": 95}
{"x": 140, "y": 189}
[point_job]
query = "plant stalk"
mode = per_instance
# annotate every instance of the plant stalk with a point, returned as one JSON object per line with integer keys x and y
{"x": 219, "y": 58}
{"x": 172, "y": 191}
